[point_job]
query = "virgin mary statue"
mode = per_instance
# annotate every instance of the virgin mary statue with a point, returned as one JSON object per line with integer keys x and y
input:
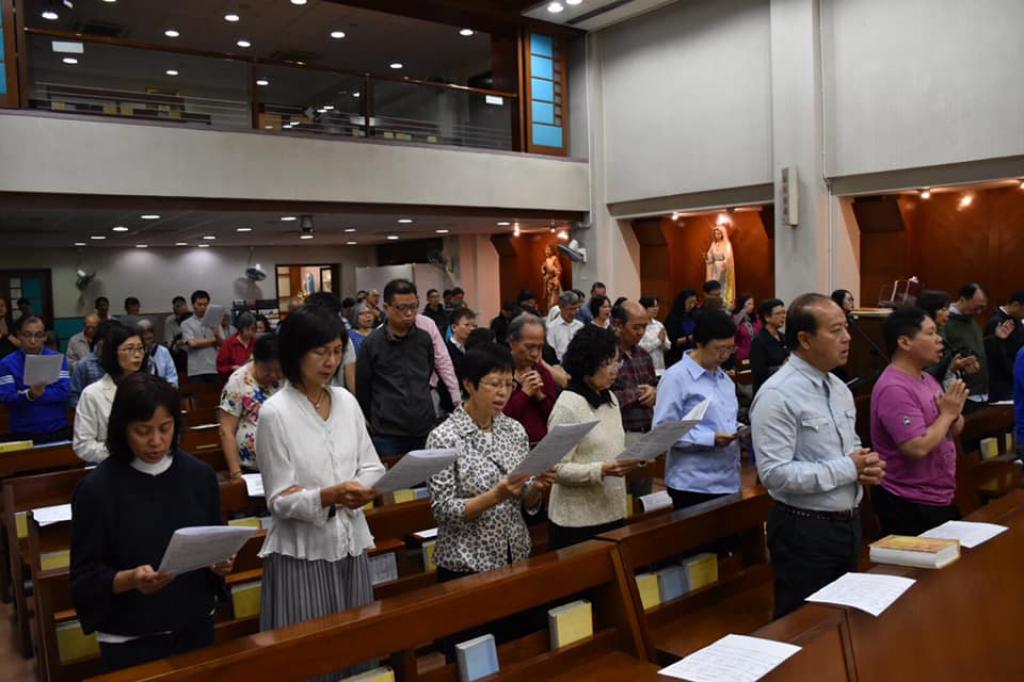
{"x": 720, "y": 265}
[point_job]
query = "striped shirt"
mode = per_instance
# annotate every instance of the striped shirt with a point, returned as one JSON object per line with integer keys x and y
{"x": 46, "y": 414}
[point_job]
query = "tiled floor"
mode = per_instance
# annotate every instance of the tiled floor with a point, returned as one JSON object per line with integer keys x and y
{"x": 13, "y": 668}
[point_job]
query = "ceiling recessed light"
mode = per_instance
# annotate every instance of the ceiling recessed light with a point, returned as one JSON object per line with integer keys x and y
{"x": 1022, "y": 184}
{"x": 150, "y": 216}
{"x": 203, "y": 246}
{"x": 466, "y": 32}
{"x": 50, "y": 15}
{"x": 351, "y": 243}
{"x": 298, "y": 2}
{"x": 503, "y": 223}
{"x": 243, "y": 43}
{"x": 573, "y": 2}
{"x": 70, "y": 60}
{"x": 142, "y": 246}
{"x": 181, "y": 243}
{"x": 305, "y": 236}
{"x": 926, "y": 194}
{"x": 555, "y": 7}
{"x": 231, "y": 17}
{"x": 171, "y": 72}
{"x": 337, "y": 35}
{"x": 171, "y": 33}
{"x": 120, "y": 228}
{"x": 441, "y": 230}
{"x": 356, "y": 94}
{"x": 79, "y": 243}
{"x": 393, "y": 237}
{"x": 350, "y": 229}
{"x": 262, "y": 82}
{"x": 98, "y": 236}
{"x": 288, "y": 218}
{"x": 209, "y": 237}
{"x": 405, "y": 221}
{"x": 243, "y": 229}
{"x": 396, "y": 65}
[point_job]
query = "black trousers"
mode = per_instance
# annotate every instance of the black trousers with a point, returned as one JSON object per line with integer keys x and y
{"x": 566, "y": 536}
{"x": 808, "y": 554}
{"x": 681, "y": 499}
{"x": 155, "y": 647}
{"x": 900, "y": 516}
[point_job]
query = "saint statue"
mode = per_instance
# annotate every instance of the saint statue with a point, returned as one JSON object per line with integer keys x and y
{"x": 551, "y": 271}
{"x": 720, "y": 265}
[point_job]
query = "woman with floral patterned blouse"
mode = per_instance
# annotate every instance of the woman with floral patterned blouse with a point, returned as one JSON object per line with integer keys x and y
{"x": 245, "y": 392}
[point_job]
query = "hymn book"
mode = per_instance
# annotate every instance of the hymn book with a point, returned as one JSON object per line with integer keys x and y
{"x": 570, "y": 623}
{"x": 902, "y": 550}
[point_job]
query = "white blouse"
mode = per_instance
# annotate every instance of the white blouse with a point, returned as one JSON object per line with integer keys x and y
{"x": 296, "y": 447}
{"x": 655, "y": 347}
{"x": 91, "y": 416}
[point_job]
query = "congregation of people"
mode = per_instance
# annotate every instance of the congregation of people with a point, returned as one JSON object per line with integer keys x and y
{"x": 342, "y": 387}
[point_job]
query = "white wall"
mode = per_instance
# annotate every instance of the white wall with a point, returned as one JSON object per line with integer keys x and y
{"x": 155, "y": 276}
{"x": 921, "y": 82}
{"x": 479, "y": 274}
{"x": 687, "y": 101}
{"x": 54, "y": 153}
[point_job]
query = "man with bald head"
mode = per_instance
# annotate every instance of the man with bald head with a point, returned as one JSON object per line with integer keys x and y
{"x": 80, "y": 345}
{"x": 634, "y": 385}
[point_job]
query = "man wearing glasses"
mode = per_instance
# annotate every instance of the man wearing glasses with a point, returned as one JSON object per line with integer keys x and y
{"x": 393, "y": 375}
{"x": 38, "y": 413}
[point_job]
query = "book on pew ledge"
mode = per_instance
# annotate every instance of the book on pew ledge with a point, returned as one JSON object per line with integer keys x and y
{"x": 970, "y": 534}
{"x": 47, "y": 516}
{"x": 253, "y": 484}
{"x": 376, "y": 675}
{"x": 903, "y": 550}
{"x": 477, "y": 658}
{"x": 671, "y": 583}
{"x": 51, "y": 560}
{"x": 650, "y": 592}
{"x": 570, "y": 623}
{"x": 701, "y": 570}
{"x": 734, "y": 658}
{"x": 989, "y": 448}
{"x": 383, "y": 568}
{"x": 73, "y": 644}
{"x": 428, "y": 534}
{"x": 21, "y": 524}
{"x": 246, "y": 522}
{"x": 428, "y": 556}
{"x": 245, "y": 599}
{"x": 654, "y": 501}
{"x": 15, "y": 445}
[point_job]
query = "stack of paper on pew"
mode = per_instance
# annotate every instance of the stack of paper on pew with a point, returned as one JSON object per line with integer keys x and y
{"x": 47, "y": 516}
{"x": 253, "y": 484}
{"x": 428, "y": 534}
{"x": 869, "y": 592}
{"x": 413, "y": 469}
{"x": 570, "y": 623}
{"x": 476, "y": 658}
{"x": 969, "y": 534}
{"x": 916, "y": 552}
{"x": 734, "y": 658}
{"x": 654, "y": 501}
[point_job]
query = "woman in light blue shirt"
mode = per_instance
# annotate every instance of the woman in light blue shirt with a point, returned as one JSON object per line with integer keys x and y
{"x": 705, "y": 463}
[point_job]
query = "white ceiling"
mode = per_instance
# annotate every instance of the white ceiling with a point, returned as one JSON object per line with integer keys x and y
{"x": 592, "y": 15}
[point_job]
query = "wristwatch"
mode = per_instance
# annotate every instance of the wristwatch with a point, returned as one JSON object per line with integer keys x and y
{"x": 27, "y": 392}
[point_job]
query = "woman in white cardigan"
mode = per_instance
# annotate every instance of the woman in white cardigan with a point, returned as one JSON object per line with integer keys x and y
{"x": 589, "y": 493}
{"x": 318, "y": 467}
{"x": 123, "y": 354}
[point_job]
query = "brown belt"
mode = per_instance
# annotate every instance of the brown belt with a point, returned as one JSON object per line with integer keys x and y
{"x": 845, "y": 515}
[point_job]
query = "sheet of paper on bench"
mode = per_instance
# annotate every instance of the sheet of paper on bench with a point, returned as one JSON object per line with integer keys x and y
{"x": 734, "y": 658}
{"x": 663, "y": 436}
{"x": 202, "y": 546}
{"x": 47, "y": 516}
{"x": 214, "y": 315}
{"x": 553, "y": 448}
{"x": 414, "y": 468}
{"x": 869, "y": 592}
{"x": 253, "y": 484}
{"x": 428, "y": 534}
{"x": 970, "y": 534}
{"x": 42, "y": 369}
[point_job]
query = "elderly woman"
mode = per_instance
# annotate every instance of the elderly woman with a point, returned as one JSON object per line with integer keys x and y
{"x": 318, "y": 466}
{"x": 237, "y": 350}
{"x": 122, "y": 355}
{"x": 365, "y": 319}
{"x": 589, "y": 493}
{"x": 125, "y": 513}
{"x": 244, "y": 394}
{"x": 158, "y": 358}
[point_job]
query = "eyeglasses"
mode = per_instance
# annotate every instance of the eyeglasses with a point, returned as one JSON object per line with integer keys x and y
{"x": 498, "y": 385}
{"x": 405, "y": 307}
{"x": 132, "y": 350}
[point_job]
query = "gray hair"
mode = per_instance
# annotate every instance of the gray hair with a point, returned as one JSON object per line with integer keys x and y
{"x": 245, "y": 320}
{"x": 568, "y": 298}
{"x": 515, "y": 327}
{"x": 143, "y": 325}
{"x": 363, "y": 307}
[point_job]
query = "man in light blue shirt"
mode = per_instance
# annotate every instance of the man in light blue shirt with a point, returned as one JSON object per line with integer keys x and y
{"x": 705, "y": 463}
{"x": 809, "y": 456}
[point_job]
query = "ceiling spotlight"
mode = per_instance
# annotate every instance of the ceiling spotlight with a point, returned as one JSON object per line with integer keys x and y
{"x": 181, "y": 243}
{"x": 243, "y": 43}
{"x": 396, "y": 65}
{"x": 50, "y": 15}
{"x": 70, "y": 60}
{"x": 926, "y": 194}
{"x": 350, "y": 229}
{"x": 262, "y": 82}
{"x": 466, "y": 32}
{"x": 563, "y": 235}
{"x": 966, "y": 200}
{"x": 351, "y": 243}
{"x": 555, "y": 7}
{"x": 150, "y": 216}
{"x": 298, "y": 2}
{"x": 356, "y": 94}
{"x": 79, "y": 243}
{"x": 305, "y": 236}
{"x": 515, "y": 230}
{"x": 171, "y": 33}
{"x": 1022, "y": 184}
{"x": 503, "y": 223}
{"x": 120, "y": 228}
{"x": 231, "y": 17}
{"x": 306, "y": 226}
{"x": 203, "y": 246}
{"x": 393, "y": 237}
{"x": 441, "y": 230}
{"x": 288, "y": 219}
{"x": 97, "y": 237}
{"x": 243, "y": 229}
{"x": 405, "y": 221}
{"x": 142, "y": 246}
{"x": 573, "y": 2}
{"x": 209, "y": 237}
{"x": 171, "y": 72}
{"x": 337, "y": 35}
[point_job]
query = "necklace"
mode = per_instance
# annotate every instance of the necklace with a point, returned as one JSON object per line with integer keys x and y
{"x": 316, "y": 403}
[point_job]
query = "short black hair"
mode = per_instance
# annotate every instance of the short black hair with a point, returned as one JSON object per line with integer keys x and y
{"x": 800, "y": 317}
{"x": 462, "y": 314}
{"x": 509, "y": 306}
{"x": 348, "y": 302}
{"x": 137, "y": 399}
{"x": 99, "y": 299}
{"x": 198, "y": 294}
{"x": 103, "y": 330}
{"x": 432, "y": 291}
{"x": 117, "y": 335}
{"x": 132, "y": 300}
{"x": 447, "y": 293}
{"x": 932, "y": 301}
{"x": 265, "y": 349}
{"x": 484, "y": 358}
{"x": 324, "y": 299}
{"x": 713, "y": 325}
{"x": 712, "y": 285}
{"x": 679, "y": 304}
{"x": 526, "y": 295}
{"x": 765, "y": 308}
{"x": 648, "y": 301}
{"x": 968, "y": 290}
{"x": 619, "y": 313}
{"x": 590, "y": 348}
{"x": 178, "y": 299}
{"x": 264, "y": 320}
{"x": 597, "y": 285}
{"x": 478, "y": 336}
{"x": 839, "y": 295}
{"x": 903, "y": 321}
{"x": 595, "y": 304}
{"x": 22, "y": 321}
{"x": 398, "y": 287}
{"x": 307, "y": 328}
{"x": 458, "y": 291}
{"x": 741, "y": 301}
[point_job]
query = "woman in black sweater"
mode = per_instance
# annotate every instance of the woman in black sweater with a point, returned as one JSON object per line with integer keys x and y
{"x": 123, "y": 516}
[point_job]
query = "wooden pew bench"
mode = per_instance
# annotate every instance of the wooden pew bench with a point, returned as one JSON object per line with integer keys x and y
{"x": 826, "y": 654}
{"x": 979, "y": 479}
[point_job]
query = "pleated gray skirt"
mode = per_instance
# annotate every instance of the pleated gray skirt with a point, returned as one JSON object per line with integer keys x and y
{"x": 295, "y": 590}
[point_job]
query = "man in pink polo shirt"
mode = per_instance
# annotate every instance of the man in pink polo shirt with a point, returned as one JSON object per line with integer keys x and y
{"x": 913, "y": 423}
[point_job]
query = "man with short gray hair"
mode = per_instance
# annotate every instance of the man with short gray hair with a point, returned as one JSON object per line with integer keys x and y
{"x": 80, "y": 345}
{"x": 564, "y": 327}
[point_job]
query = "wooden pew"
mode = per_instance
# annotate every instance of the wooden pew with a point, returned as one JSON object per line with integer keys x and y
{"x": 395, "y": 628}
{"x": 823, "y": 633}
{"x": 739, "y": 602}
{"x": 978, "y": 479}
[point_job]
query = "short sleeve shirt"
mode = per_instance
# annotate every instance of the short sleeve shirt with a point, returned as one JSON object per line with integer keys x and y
{"x": 902, "y": 408}
{"x": 242, "y": 397}
{"x": 200, "y": 360}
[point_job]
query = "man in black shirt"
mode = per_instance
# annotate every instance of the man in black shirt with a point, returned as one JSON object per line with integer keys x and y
{"x": 1000, "y": 350}
{"x": 499, "y": 325}
{"x": 393, "y": 375}
{"x": 435, "y": 310}
{"x": 768, "y": 350}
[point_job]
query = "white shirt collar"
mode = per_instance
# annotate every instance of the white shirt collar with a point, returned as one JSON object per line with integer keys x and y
{"x": 154, "y": 468}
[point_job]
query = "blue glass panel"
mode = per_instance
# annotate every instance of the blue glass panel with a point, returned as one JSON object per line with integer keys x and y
{"x": 3, "y": 79}
{"x": 542, "y": 45}
{"x": 543, "y": 90}
{"x": 543, "y": 112}
{"x": 547, "y": 136}
{"x": 541, "y": 67}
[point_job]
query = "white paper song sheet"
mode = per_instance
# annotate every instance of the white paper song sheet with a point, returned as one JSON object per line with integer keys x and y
{"x": 662, "y": 437}
{"x": 734, "y": 658}
{"x": 214, "y": 315}
{"x": 868, "y": 592}
{"x": 47, "y": 516}
{"x": 42, "y": 369}
{"x": 969, "y": 533}
{"x": 414, "y": 468}
{"x": 553, "y": 448}
{"x": 253, "y": 484}
{"x": 202, "y": 546}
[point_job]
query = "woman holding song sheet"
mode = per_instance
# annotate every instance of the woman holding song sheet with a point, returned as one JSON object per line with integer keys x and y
{"x": 123, "y": 516}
